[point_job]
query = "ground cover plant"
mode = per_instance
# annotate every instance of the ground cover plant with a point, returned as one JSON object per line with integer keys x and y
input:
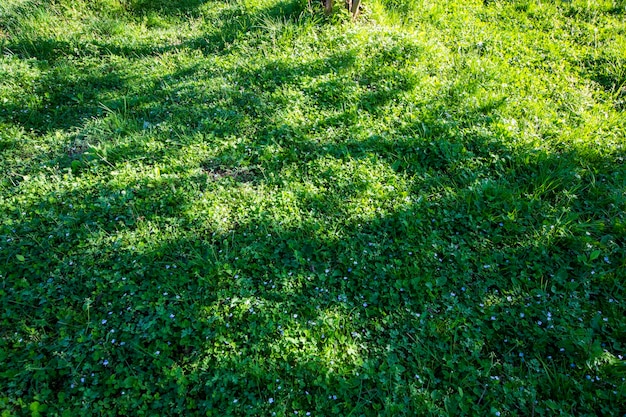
{"x": 254, "y": 208}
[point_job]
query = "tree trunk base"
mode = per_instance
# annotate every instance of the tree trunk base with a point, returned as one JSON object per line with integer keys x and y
{"x": 353, "y": 6}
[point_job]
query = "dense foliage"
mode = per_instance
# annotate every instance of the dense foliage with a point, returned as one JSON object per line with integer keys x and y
{"x": 254, "y": 208}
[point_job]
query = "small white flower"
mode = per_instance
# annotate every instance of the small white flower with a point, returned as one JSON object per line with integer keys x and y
{"x": 271, "y": 400}
{"x": 104, "y": 321}
{"x": 105, "y": 362}
{"x": 158, "y": 352}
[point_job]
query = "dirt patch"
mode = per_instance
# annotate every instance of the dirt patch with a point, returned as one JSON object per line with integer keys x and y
{"x": 240, "y": 174}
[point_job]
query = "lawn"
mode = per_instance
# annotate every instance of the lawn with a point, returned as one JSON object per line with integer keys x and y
{"x": 237, "y": 208}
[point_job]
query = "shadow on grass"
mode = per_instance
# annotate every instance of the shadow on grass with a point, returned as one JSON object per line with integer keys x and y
{"x": 379, "y": 289}
{"x": 165, "y": 7}
{"x": 67, "y": 100}
{"x": 139, "y": 289}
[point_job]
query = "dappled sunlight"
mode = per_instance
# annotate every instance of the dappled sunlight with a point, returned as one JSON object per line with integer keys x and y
{"x": 247, "y": 208}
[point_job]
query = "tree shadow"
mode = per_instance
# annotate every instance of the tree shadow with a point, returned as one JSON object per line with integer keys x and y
{"x": 609, "y": 74}
{"x": 253, "y": 275}
{"x": 187, "y": 8}
{"x": 162, "y": 276}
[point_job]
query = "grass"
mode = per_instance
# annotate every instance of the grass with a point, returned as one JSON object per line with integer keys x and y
{"x": 251, "y": 208}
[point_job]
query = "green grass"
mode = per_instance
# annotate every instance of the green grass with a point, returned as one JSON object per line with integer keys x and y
{"x": 251, "y": 208}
